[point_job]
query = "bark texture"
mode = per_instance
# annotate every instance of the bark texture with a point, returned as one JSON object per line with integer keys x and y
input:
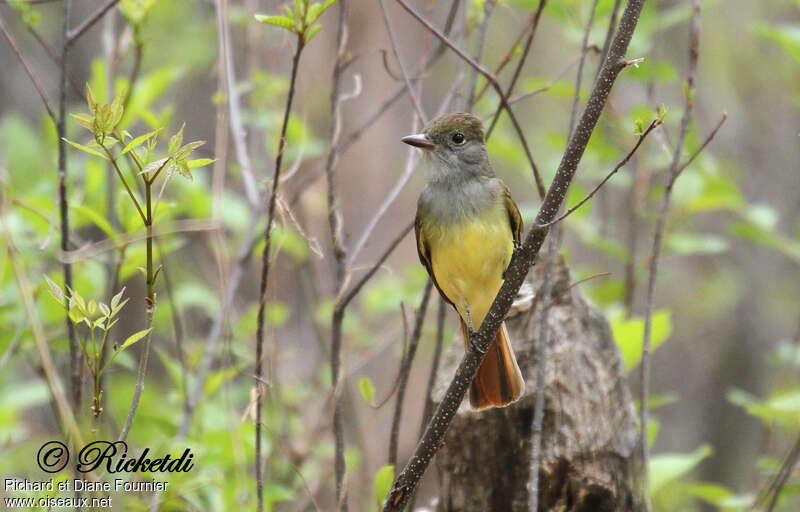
{"x": 588, "y": 461}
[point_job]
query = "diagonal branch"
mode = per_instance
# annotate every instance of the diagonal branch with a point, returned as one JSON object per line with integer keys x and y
{"x": 265, "y": 267}
{"x": 656, "y": 123}
{"x": 76, "y": 33}
{"x": 28, "y": 70}
{"x": 523, "y": 258}
{"x": 528, "y": 43}
{"x": 674, "y": 172}
{"x": 403, "y": 71}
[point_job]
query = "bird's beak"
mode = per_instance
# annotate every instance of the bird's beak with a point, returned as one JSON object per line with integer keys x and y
{"x": 419, "y": 140}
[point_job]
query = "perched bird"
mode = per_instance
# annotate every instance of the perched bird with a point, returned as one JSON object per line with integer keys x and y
{"x": 466, "y": 227}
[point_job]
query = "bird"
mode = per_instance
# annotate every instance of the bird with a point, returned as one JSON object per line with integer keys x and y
{"x": 467, "y": 226}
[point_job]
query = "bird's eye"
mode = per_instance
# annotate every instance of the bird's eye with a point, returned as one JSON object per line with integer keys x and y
{"x": 458, "y": 138}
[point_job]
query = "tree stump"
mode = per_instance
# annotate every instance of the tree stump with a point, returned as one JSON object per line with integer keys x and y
{"x": 588, "y": 457}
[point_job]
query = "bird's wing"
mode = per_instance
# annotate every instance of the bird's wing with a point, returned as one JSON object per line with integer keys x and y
{"x": 423, "y": 250}
{"x": 514, "y": 218}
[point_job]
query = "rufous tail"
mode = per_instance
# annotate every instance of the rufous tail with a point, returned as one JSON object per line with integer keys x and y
{"x": 499, "y": 381}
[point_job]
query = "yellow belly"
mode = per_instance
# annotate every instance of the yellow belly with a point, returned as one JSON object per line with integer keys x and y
{"x": 469, "y": 259}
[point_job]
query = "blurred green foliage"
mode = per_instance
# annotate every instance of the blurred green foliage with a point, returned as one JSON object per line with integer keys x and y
{"x": 718, "y": 218}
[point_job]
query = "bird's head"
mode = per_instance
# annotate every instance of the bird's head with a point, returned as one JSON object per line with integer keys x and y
{"x": 453, "y": 145}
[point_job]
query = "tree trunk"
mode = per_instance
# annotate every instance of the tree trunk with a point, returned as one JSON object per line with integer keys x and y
{"x": 588, "y": 456}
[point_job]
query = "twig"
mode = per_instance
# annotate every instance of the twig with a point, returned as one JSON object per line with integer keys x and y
{"x": 391, "y": 196}
{"x": 136, "y": 67}
{"x": 77, "y": 32}
{"x": 434, "y": 372}
{"x": 488, "y": 9}
{"x": 528, "y": 43}
{"x": 405, "y": 370}
{"x": 542, "y": 341}
{"x": 510, "y": 53}
{"x": 36, "y": 84}
{"x": 76, "y": 368}
{"x": 492, "y": 80}
{"x": 238, "y": 132}
{"x": 233, "y": 279}
{"x": 653, "y": 125}
{"x": 773, "y": 490}
{"x": 674, "y": 172}
{"x": 340, "y": 257}
{"x": 347, "y": 296}
{"x": 150, "y": 300}
{"x": 65, "y": 410}
{"x": 265, "y": 266}
{"x": 215, "y": 333}
{"x": 549, "y": 85}
{"x": 612, "y": 25}
{"x": 705, "y": 143}
{"x": 403, "y": 71}
{"x": 579, "y": 79}
{"x": 518, "y": 268}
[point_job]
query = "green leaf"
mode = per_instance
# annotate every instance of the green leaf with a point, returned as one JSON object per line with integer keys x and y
{"x": 97, "y": 219}
{"x": 85, "y": 120}
{"x": 787, "y": 37}
{"x": 278, "y": 21}
{"x": 154, "y": 166}
{"x": 138, "y": 141}
{"x": 383, "y": 483}
{"x": 629, "y": 335}
{"x": 175, "y": 141}
{"x": 312, "y": 32}
{"x": 187, "y": 149}
{"x": 133, "y": 338}
{"x": 695, "y": 243}
{"x": 275, "y": 492}
{"x": 85, "y": 149}
{"x": 200, "y": 162}
{"x": 662, "y": 112}
{"x": 668, "y": 467}
{"x": 367, "y": 389}
{"x": 55, "y": 291}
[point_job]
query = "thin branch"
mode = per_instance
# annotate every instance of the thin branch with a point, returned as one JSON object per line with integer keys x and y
{"x": 340, "y": 257}
{"x": 483, "y": 29}
{"x": 76, "y": 368}
{"x": 653, "y": 125}
{"x": 674, "y": 172}
{"x": 405, "y": 370}
{"x": 394, "y": 192}
{"x": 432, "y": 375}
{"x": 346, "y": 297}
{"x": 234, "y": 277}
{"x": 523, "y": 258}
{"x": 528, "y": 43}
{"x": 492, "y": 80}
{"x": 579, "y": 78}
{"x": 36, "y": 84}
{"x": 549, "y": 85}
{"x": 612, "y": 26}
{"x": 403, "y": 71}
{"x": 215, "y": 333}
{"x": 510, "y": 53}
{"x": 265, "y": 267}
{"x": 705, "y": 143}
{"x": 541, "y": 346}
{"x": 238, "y": 132}
{"x": 77, "y": 32}
{"x": 773, "y": 490}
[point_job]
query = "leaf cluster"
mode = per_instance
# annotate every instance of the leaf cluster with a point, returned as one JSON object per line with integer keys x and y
{"x": 300, "y": 19}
